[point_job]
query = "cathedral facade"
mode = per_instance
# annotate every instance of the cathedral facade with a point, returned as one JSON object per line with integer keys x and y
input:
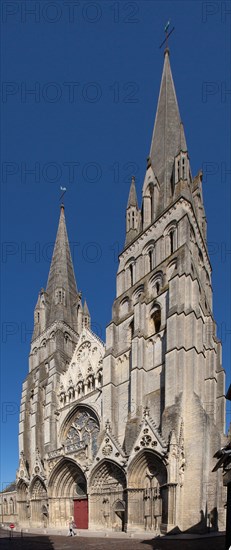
{"x": 121, "y": 436}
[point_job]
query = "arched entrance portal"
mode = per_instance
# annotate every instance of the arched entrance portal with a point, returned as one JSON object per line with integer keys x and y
{"x": 147, "y": 492}
{"x": 107, "y": 497}
{"x": 39, "y": 502}
{"x": 23, "y": 505}
{"x": 68, "y": 495}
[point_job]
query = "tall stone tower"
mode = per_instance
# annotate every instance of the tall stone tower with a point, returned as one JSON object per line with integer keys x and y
{"x": 162, "y": 353}
{"x": 57, "y": 325}
{"x": 123, "y": 437}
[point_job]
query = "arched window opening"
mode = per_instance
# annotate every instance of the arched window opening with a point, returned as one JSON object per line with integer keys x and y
{"x": 150, "y": 259}
{"x": 157, "y": 287}
{"x": 132, "y": 327}
{"x": 38, "y": 317}
{"x": 60, "y": 296}
{"x": 11, "y": 506}
{"x": 71, "y": 394}
{"x": 100, "y": 378}
{"x": 183, "y": 169}
{"x": 171, "y": 237}
{"x": 124, "y": 306}
{"x": 63, "y": 397}
{"x": 151, "y": 204}
{"x": 130, "y": 331}
{"x": 133, "y": 220}
{"x": 67, "y": 337}
{"x": 131, "y": 274}
{"x": 156, "y": 317}
{"x": 178, "y": 170}
{"x": 5, "y": 506}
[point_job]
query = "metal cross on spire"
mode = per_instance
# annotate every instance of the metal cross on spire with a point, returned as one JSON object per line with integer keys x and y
{"x": 167, "y": 34}
{"x": 63, "y": 189}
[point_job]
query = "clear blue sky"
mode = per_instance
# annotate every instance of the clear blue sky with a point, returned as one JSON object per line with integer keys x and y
{"x": 97, "y": 68}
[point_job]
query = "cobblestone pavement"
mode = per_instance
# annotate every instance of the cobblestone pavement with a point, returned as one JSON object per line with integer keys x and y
{"x": 54, "y": 542}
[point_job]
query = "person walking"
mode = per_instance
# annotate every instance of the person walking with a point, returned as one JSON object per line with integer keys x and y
{"x": 71, "y": 532}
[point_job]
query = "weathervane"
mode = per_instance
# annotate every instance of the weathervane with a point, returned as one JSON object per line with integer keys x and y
{"x": 167, "y": 34}
{"x": 63, "y": 189}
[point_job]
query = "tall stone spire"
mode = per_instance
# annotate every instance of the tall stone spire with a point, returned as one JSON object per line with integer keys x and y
{"x": 61, "y": 285}
{"x": 168, "y": 135}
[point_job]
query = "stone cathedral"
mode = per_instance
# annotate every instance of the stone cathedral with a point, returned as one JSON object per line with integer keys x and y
{"x": 121, "y": 436}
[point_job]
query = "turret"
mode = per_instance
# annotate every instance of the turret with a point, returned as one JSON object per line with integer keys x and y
{"x": 132, "y": 214}
{"x": 151, "y": 190}
{"x": 40, "y": 313}
{"x": 86, "y": 316}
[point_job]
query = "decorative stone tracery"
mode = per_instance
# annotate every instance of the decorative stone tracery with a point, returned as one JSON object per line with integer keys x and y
{"x": 82, "y": 434}
{"x": 107, "y": 489}
{"x": 23, "y": 502}
{"x": 39, "y": 503}
{"x": 147, "y": 492}
{"x": 85, "y": 373}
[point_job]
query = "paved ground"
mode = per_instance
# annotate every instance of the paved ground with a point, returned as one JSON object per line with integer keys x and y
{"x": 54, "y": 542}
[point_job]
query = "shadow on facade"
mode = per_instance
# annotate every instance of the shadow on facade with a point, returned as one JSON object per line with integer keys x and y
{"x": 208, "y": 523}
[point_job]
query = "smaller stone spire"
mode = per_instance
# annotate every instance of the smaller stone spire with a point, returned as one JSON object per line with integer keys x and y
{"x": 86, "y": 316}
{"x": 132, "y": 197}
{"x": 85, "y": 308}
{"x": 132, "y": 214}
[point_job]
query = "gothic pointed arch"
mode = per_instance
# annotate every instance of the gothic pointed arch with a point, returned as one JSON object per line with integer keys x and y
{"x": 23, "y": 504}
{"x": 155, "y": 320}
{"x": 67, "y": 480}
{"x": 79, "y": 433}
{"x": 146, "y": 462}
{"x": 147, "y": 491}
{"x": 107, "y": 488}
{"x": 37, "y": 488}
{"x": 39, "y": 502}
{"x": 67, "y": 483}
